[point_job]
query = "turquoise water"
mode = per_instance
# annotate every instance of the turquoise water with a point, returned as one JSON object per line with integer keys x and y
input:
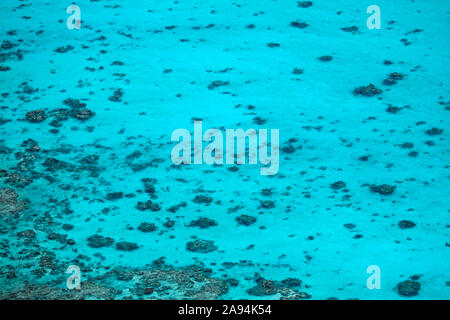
{"x": 144, "y": 69}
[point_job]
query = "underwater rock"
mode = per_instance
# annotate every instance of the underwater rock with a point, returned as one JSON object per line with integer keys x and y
{"x": 3, "y": 121}
{"x": 408, "y": 288}
{"x": 98, "y": 241}
{"x": 286, "y": 289}
{"x": 389, "y": 82}
{"x": 393, "y": 78}
{"x": 6, "y": 45}
{"x": 434, "y": 131}
{"x": 114, "y": 196}
{"x": 61, "y": 114}
{"x": 304, "y": 4}
{"x": 259, "y": 121}
{"x": 264, "y": 288}
{"x": 352, "y": 29}
{"x": 64, "y": 49}
{"x": 217, "y": 83}
{"x": 149, "y": 188}
{"x": 126, "y": 246}
{"x": 169, "y": 223}
{"x": 201, "y": 199}
{"x": 292, "y": 282}
{"x": 67, "y": 226}
{"x": 134, "y": 155}
{"x": 202, "y": 223}
{"x": 14, "y": 55}
{"x": 9, "y": 203}
{"x": 406, "y": 224}
{"x": 297, "y": 71}
{"x": 158, "y": 279}
{"x": 30, "y": 234}
{"x": 367, "y": 91}
{"x": 53, "y": 164}
{"x": 406, "y": 145}
{"x": 288, "y": 149}
{"x": 84, "y": 114}
{"x": 74, "y": 103}
{"x": 148, "y": 205}
{"x": 18, "y": 181}
{"x": 300, "y": 25}
{"x": 325, "y": 58}
{"x": 213, "y": 288}
{"x": 90, "y": 160}
{"x": 393, "y": 109}
{"x": 148, "y": 291}
{"x": 89, "y": 290}
{"x": 149, "y": 185}
{"x": 117, "y": 97}
{"x": 30, "y": 145}
{"x": 245, "y": 220}
{"x": 267, "y": 204}
{"x": 396, "y": 76}
{"x": 36, "y": 116}
{"x": 61, "y": 238}
{"x": 337, "y": 185}
{"x": 232, "y": 282}
{"x": 47, "y": 261}
{"x": 147, "y": 227}
{"x": 383, "y": 189}
{"x": 201, "y": 246}
{"x": 175, "y": 208}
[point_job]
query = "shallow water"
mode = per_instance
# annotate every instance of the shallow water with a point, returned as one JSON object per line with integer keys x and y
{"x": 144, "y": 69}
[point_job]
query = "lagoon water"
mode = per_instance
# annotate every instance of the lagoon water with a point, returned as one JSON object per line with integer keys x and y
{"x": 86, "y": 177}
